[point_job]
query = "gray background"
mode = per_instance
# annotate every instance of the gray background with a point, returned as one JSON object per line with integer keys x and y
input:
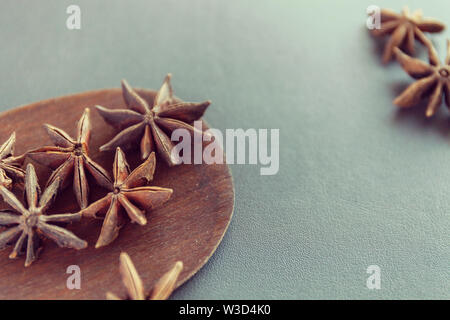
{"x": 360, "y": 182}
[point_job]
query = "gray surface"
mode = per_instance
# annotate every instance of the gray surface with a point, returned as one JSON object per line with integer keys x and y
{"x": 359, "y": 183}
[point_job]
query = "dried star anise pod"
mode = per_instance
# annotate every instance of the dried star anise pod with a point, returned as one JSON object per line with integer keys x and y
{"x": 404, "y": 28}
{"x": 133, "y": 283}
{"x": 434, "y": 79}
{"x": 128, "y": 193}
{"x": 9, "y": 164}
{"x": 149, "y": 125}
{"x": 33, "y": 223}
{"x": 70, "y": 156}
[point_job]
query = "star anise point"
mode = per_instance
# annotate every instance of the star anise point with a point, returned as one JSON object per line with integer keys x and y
{"x": 10, "y": 165}
{"x": 134, "y": 286}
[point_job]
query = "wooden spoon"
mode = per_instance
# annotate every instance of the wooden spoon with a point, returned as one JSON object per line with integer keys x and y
{"x": 189, "y": 227}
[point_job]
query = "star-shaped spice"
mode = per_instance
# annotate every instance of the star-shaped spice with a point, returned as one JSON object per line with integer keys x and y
{"x": 404, "y": 28}
{"x": 33, "y": 223}
{"x": 133, "y": 283}
{"x": 70, "y": 158}
{"x": 149, "y": 125}
{"x": 9, "y": 164}
{"x": 433, "y": 83}
{"x": 130, "y": 195}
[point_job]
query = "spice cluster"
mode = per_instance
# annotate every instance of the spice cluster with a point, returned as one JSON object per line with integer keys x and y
{"x": 432, "y": 78}
{"x": 128, "y": 197}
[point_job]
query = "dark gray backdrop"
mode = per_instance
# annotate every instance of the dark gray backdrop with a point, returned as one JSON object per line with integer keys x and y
{"x": 360, "y": 183}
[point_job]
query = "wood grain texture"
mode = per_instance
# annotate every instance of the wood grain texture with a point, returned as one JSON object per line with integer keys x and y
{"x": 189, "y": 227}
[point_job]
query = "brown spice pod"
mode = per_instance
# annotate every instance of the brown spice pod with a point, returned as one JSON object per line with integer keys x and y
{"x": 189, "y": 227}
{"x": 404, "y": 28}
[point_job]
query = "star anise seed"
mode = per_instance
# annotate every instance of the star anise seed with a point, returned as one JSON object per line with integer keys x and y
{"x": 433, "y": 79}
{"x": 404, "y": 28}
{"x": 5, "y": 180}
{"x": 10, "y": 164}
{"x": 70, "y": 158}
{"x": 133, "y": 283}
{"x": 128, "y": 192}
{"x": 32, "y": 223}
{"x": 149, "y": 125}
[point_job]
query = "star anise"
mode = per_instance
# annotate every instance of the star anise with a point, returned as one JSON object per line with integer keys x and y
{"x": 128, "y": 193}
{"x": 9, "y": 164}
{"x": 404, "y": 28}
{"x": 70, "y": 156}
{"x": 434, "y": 80}
{"x": 149, "y": 125}
{"x": 133, "y": 283}
{"x": 33, "y": 223}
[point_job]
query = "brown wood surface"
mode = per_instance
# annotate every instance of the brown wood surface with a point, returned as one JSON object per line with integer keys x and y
{"x": 189, "y": 227}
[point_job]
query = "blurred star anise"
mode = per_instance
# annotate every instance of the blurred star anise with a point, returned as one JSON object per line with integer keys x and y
{"x": 70, "y": 158}
{"x": 133, "y": 283}
{"x": 434, "y": 79}
{"x": 9, "y": 164}
{"x": 33, "y": 223}
{"x": 128, "y": 191}
{"x": 149, "y": 125}
{"x": 404, "y": 28}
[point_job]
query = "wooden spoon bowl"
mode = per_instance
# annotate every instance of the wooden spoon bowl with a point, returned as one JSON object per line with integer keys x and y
{"x": 189, "y": 227}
